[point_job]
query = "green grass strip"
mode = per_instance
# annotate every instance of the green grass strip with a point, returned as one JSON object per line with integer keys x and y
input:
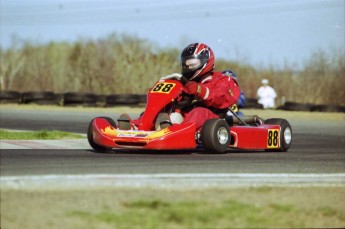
{"x": 203, "y": 214}
{"x": 37, "y": 135}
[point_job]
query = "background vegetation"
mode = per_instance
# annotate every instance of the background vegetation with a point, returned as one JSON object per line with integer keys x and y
{"x": 121, "y": 64}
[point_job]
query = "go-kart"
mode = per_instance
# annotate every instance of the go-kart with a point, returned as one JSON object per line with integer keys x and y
{"x": 216, "y": 136}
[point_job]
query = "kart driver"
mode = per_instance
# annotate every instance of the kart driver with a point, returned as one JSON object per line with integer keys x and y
{"x": 214, "y": 91}
{"x": 241, "y": 100}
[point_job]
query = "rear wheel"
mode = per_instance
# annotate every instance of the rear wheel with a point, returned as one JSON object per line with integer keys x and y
{"x": 285, "y": 133}
{"x": 94, "y": 145}
{"x": 215, "y": 136}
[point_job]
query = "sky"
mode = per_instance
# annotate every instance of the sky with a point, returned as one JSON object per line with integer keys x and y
{"x": 258, "y": 32}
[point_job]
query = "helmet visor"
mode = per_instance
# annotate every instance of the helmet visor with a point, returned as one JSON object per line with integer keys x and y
{"x": 190, "y": 63}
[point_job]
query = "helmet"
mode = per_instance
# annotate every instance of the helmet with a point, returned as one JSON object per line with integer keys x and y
{"x": 264, "y": 81}
{"x": 230, "y": 73}
{"x": 196, "y": 60}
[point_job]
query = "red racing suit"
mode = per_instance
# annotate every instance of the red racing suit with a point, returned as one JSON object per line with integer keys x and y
{"x": 221, "y": 92}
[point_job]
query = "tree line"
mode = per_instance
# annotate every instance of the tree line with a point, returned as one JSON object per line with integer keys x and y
{"x": 124, "y": 64}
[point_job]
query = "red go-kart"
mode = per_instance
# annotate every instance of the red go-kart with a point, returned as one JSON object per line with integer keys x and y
{"x": 216, "y": 136}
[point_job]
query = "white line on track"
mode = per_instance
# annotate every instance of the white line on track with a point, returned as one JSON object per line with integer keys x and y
{"x": 45, "y": 144}
{"x": 187, "y": 180}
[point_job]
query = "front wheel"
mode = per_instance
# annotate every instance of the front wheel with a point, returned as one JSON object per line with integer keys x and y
{"x": 285, "y": 133}
{"x": 94, "y": 145}
{"x": 215, "y": 135}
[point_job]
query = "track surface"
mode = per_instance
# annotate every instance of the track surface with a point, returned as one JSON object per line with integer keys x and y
{"x": 317, "y": 148}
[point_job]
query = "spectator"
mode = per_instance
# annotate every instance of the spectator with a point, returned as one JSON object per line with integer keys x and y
{"x": 266, "y": 95}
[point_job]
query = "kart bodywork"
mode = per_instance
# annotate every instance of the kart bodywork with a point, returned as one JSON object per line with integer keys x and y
{"x": 216, "y": 136}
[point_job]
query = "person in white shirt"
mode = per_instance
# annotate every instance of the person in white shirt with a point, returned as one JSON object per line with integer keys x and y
{"x": 266, "y": 95}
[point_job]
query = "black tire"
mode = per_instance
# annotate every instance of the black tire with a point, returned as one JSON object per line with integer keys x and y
{"x": 252, "y": 103}
{"x": 327, "y": 108}
{"x": 142, "y": 99}
{"x": 215, "y": 136}
{"x": 101, "y": 100}
{"x": 285, "y": 133}
{"x": 60, "y": 99}
{"x": 122, "y": 99}
{"x": 292, "y": 106}
{"x": 90, "y": 100}
{"x": 94, "y": 145}
{"x": 10, "y": 97}
{"x": 42, "y": 98}
{"x": 73, "y": 98}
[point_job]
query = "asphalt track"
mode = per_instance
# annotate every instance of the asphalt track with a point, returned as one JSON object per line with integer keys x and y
{"x": 318, "y": 148}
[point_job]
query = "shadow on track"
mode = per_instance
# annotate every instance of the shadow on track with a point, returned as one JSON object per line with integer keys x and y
{"x": 175, "y": 152}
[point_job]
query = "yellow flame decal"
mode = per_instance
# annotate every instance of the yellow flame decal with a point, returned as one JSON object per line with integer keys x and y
{"x": 110, "y": 131}
{"x": 159, "y": 134}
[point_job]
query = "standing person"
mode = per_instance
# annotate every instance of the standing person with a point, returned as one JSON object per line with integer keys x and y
{"x": 266, "y": 95}
{"x": 214, "y": 91}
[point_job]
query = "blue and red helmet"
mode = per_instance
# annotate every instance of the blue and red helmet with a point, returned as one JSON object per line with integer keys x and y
{"x": 230, "y": 73}
{"x": 197, "y": 59}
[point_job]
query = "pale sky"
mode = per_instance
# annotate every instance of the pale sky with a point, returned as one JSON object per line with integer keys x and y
{"x": 258, "y": 32}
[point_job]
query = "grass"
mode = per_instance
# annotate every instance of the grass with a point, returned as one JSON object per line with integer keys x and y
{"x": 198, "y": 214}
{"x": 251, "y": 207}
{"x": 37, "y": 135}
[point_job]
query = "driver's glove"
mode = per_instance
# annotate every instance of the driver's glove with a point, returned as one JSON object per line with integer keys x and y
{"x": 197, "y": 89}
